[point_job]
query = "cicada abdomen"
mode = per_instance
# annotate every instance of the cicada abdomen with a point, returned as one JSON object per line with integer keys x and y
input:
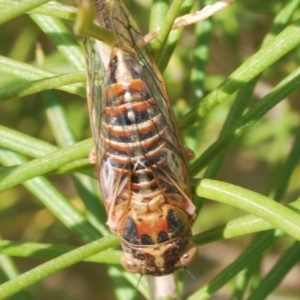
{"x": 140, "y": 159}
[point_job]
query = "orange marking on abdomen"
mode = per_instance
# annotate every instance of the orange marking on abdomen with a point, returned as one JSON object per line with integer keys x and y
{"x": 138, "y": 85}
{"x": 114, "y": 90}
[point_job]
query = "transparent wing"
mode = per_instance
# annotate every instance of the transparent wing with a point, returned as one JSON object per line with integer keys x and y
{"x": 130, "y": 39}
{"x": 164, "y": 160}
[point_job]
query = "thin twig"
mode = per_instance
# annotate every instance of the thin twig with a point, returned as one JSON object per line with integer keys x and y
{"x": 163, "y": 287}
{"x": 192, "y": 18}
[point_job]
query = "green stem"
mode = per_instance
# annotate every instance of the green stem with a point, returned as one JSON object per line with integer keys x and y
{"x": 244, "y": 94}
{"x": 238, "y": 227}
{"x": 284, "y": 88}
{"x": 43, "y": 165}
{"x": 278, "y": 272}
{"x": 162, "y": 36}
{"x": 85, "y": 186}
{"x": 159, "y": 9}
{"x": 54, "y": 201}
{"x": 28, "y": 72}
{"x": 85, "y": 24}
{"x": 28, "y": 88}
{"x": 23, "y": 143}
{"x": 53, "y": 9}
{"x": 21, "y": 249}
{"x": 279, "y": 46}
{"x": 8, "y": 12}
{"x": 248, "y": 256}
{"x": 66, "y": 260}
{"x": 269, "y": 210}
{"x": 62, "y": 39}
{"x": 10, "y": 271}
{"x": 166, "y": 52}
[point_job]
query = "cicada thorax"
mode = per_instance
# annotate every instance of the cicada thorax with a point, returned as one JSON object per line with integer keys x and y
{"x": 142, "y": 170}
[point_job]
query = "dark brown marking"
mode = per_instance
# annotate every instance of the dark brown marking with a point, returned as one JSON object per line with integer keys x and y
{"x": 130, "y": 231}
{"x": 175, "y": 223}
{"x": 162, "y": 237}
{"x": 146, "y": 240}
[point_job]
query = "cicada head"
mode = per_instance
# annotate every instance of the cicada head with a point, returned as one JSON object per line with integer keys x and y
{"x": 158, "y": 242}
{"x": 160, "y": 259}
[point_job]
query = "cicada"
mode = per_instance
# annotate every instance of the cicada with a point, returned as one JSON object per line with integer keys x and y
{"x": 140, "y": 158}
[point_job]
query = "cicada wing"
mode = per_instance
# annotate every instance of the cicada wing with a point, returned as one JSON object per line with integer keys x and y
{"x": 95, "y": 77}
{"x": 166, "y": 160}
{"x": 172, "y": 172}
{"x": 114, "y": 185}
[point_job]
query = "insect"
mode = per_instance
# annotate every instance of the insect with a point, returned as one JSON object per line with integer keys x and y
{"x": 140, "y": 160}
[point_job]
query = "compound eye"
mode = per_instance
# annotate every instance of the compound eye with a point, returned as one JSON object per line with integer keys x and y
{"x": 131, "y": 264}
{"x": 188, "y": 255}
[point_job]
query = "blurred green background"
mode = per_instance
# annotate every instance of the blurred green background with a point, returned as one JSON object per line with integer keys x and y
{"x": 251, "y": 162}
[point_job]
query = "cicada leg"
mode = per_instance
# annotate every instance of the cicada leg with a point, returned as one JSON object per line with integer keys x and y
{"x": 189, "y": 153}
{"x": 93, "y": 160}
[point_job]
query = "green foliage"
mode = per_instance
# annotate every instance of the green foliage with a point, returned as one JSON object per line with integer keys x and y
{"x": 232, "y": 80}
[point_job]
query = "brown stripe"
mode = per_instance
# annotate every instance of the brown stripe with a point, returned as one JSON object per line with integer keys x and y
{"x": 143, "y": 105}
{"x": 118, "y": 131}
{"x": 114, "y": 90}
{"x": 112, "y": 111}
{"x": 138, "y": 85}
{"x": 115, "y": 111}
{"x": 154, "y": 153}
{"x": 142, "y": 128}
{"x": 122, "y": 160}
{"x": 123, "y": 147}
{"x": 133, "y": 159}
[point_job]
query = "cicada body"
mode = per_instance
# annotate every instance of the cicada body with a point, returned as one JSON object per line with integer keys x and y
{"x": 140, "y": 159}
